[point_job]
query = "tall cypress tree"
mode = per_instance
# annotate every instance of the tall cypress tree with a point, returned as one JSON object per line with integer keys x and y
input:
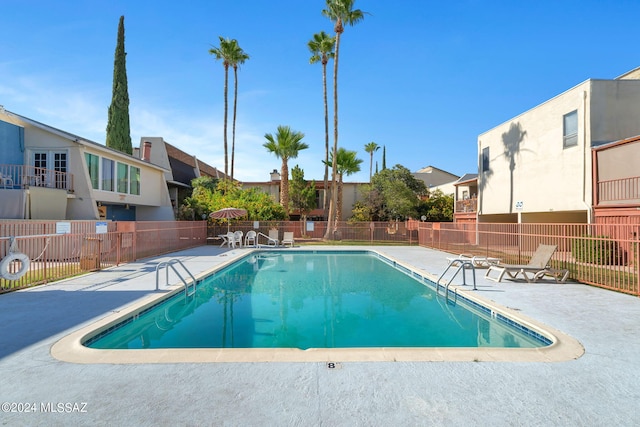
{"x": 118, "y": 130}
{"x": 384, "y": 157}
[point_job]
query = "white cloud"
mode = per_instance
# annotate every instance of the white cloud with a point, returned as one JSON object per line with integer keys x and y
{"x": 83, "y": 110}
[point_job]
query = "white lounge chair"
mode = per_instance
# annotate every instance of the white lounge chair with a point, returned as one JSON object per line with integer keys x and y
{"x": 273, "y": 236}
{"x": 537, "y": 268}
{"x": 287, "y": 238}
{"x": 477, "y": 261}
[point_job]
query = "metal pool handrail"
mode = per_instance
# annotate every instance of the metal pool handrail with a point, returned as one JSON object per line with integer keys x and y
{"x": 170, "y": 263}
{"x": 463, "y": 264}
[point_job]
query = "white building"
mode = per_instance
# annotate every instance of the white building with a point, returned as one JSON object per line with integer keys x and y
{"x": 537, "y": 167}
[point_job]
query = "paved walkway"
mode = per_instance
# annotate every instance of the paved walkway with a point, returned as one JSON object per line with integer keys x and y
{"x": 601, "y": 388}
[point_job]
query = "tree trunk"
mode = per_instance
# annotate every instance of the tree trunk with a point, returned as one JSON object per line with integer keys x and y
{"x": 331, "y": 228}
{"x": 326, "y": 139}
{"x": 226, "y": 107}
{"x": 284, "y": 186}
{"x": 233, "y": 129}
{"x": 339, "y": 208}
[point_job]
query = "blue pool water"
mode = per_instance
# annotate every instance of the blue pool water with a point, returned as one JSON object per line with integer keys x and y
{"x": 303, "y": 299}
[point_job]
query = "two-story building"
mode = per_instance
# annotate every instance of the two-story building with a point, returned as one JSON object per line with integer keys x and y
{"x": 437, "y": 179}
{"x": 537, "y": 167}
{"x": 47, "y": 173}
{"x": 351, "y": 193}
{"x": 180, "y": 167}
{"x": 466, "y": 198}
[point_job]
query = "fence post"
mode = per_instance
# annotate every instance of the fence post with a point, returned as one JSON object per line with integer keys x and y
{"x": 119, "y": 243}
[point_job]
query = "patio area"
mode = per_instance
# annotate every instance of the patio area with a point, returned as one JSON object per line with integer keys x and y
{"x": 598, "y": 388}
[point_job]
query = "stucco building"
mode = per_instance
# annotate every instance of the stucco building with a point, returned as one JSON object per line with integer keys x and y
{"x": 47, "y": 173}
{"x": 537, "y": 167}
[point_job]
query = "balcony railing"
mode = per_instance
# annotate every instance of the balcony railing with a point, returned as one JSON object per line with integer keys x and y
{"x": 625, "y": 190}
{"x": 467, "y": 205}
{"x": 20, "y": 177}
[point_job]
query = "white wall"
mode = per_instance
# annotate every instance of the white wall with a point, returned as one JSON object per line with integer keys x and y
{"x": 546, "y": 176}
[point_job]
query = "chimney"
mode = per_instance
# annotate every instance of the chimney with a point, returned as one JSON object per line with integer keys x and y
{"x": 146, "y": 151}
{"x": 275, "y": 176}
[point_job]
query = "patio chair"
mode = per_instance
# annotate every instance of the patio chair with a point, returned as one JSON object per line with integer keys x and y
{"x": 251, "y": 237}
{"x": 537, "y": 268}
{"x": 237, "y": 238}
{"x": 230, "y": 240}
{"x": 287, "y": 237}
{"x": 273, "y": 237}
{"x": 6, "y": 181}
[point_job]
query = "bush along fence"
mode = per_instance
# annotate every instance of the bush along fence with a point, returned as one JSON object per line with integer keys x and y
{"x": 602, "y": 255}
{"x": 37, "y": 252}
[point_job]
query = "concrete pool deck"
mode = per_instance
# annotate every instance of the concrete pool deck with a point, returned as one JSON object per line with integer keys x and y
{"x": 599, "y": 388}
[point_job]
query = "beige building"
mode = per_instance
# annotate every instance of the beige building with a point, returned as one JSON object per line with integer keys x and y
{"x": 537, "y": 167}
{"x": 350, "y": 195}
{"x": 437, "y": 179}
{"x": 47, "y": 173}
{"x": 180, "y": 167}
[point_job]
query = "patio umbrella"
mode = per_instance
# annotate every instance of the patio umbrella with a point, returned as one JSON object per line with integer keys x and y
{"x": 228, "y": 213}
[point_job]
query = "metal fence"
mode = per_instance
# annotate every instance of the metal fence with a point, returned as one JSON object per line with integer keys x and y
{"x": 58, "y": 250}
{"x": 604, "y": 255}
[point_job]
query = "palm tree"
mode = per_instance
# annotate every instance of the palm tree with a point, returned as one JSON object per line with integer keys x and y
{"x": 340, "y": 12}
{"x": 286, "y": 144}
{"x": 346, "y": 164}
{"x": 321, "y": 48}
{"x": 225, "y": 52}
{"x": 371, "y": 148}
{"x": 238, "y": 56}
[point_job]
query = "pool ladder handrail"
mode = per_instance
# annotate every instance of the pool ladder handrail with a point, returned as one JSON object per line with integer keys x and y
{"x": 170, "y": 263}
{"x": 464, "y": 263}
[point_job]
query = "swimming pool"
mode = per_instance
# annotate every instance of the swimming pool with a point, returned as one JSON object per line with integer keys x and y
{"x": 303, "y": 299}
{"x": 345, "y": 312}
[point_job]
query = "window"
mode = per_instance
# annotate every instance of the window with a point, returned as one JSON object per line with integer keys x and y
{"x": 93, "y": 166}
{"x": 135, "y": 180}
{"x": 485, "y": 159}
{"x": 40, "y": 160}
{"x": 319, "y": 199}
{"x": 570, "y": 129}
{"x": 60, "y": 168}
{"x": 123, "y": 178}
{"x": 107, "y": 174}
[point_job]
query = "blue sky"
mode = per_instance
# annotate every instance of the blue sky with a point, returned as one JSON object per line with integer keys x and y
{"x": 422, "y": 78}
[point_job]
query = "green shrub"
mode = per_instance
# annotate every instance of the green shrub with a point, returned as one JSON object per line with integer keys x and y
{"x": 596, "y": 250}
